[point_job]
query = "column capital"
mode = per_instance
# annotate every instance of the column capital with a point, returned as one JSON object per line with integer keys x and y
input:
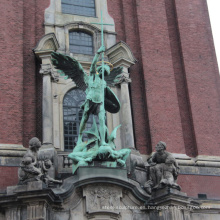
{"x": 46, "y": 69}
{"x": 123, "y": 78}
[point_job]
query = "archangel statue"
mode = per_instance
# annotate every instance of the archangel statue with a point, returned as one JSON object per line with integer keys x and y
{"x": 99, "y": 98}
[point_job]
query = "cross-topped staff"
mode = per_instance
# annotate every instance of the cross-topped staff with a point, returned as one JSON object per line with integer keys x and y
{"x": 102, "y": 38}
{"x": 102, "y": 107}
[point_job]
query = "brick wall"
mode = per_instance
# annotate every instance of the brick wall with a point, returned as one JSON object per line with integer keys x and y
{"x": 201, "y": 74}
{"x": 195, "y": 184}
{"x": 9, "y": 177}
{"x": 175, "y": 84}
{"x": 22, "y": 27}
{"x": 11, "y": 68}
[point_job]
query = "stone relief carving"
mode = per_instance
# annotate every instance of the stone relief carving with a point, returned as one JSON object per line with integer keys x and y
{"x": 102, "y": 198}
{"x": 33, "y": 169}
{"x": 163, "y": 169}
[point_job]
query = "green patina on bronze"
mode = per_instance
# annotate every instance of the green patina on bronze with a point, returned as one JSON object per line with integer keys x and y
{"x": 99, "y": 98}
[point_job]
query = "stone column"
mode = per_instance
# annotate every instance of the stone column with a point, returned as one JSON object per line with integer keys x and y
{"x": 43, "y": 50}
{"x": 47, "y": 115}
{"x": 47, "y": 111}
{"x": 125, "y": 114}
{"x": 121, "y": 55}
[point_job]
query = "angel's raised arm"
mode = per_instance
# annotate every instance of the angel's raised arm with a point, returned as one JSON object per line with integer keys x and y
{"x": 95, "y": 60}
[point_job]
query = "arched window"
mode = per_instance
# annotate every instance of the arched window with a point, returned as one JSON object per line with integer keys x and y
{"x": 81, "y": 42}
{"x": 72, "y": 114}
{"x": 79, "y": 7}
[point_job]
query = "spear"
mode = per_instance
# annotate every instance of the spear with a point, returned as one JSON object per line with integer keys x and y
{"x": 102, "y": 109}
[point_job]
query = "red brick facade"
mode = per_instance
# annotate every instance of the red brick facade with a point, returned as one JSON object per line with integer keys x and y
{"x": 9, "y": 177}
{"x": 175, "y": 84}
{"x": 22, "y": 25}
{"x": 196, "y": 184}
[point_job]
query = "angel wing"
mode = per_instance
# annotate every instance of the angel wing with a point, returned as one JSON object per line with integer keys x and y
{"x": 112, "y": 78}
{"x": 70, "y": 67}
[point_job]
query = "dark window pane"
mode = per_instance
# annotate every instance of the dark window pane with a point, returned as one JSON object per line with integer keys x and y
{"x": 72, "y": 115}
{"x": 81, "y": 42}
{"x": 79, "y": 7}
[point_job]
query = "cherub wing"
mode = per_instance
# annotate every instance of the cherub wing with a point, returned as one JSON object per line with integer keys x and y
{"x": 112, "y": 78}
{"x": 70, "y": 67}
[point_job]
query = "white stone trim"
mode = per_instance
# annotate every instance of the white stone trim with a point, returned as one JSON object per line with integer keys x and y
{"x": 60, "y": 90}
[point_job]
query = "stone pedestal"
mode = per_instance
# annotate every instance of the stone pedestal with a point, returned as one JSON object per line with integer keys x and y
{"x": 170, "y": 204}
{"x": 100, "y": 193}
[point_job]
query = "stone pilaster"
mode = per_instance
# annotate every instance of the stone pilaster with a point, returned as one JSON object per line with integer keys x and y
{"x": 121, "y": 55}
{"x": 13, "y": 213}
{"x": 47, "y": 111}
{"x": 37, "y": 210}
{"x": 43, "y": 50}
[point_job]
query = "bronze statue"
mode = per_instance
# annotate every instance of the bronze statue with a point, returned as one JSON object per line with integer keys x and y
{"x": 99, "y": 97}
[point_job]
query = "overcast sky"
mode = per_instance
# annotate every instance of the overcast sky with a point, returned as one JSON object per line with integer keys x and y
{"x": 214, "y": 13}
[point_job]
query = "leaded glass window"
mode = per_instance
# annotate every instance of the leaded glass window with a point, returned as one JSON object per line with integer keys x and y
{"x": 79, "y": 7}
{"x": 72, "y": 114}
{"x": 81, "y": 42}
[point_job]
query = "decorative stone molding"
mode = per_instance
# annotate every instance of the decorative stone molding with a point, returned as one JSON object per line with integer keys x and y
{"x": 11, "y": 154}
{"x": 124, "y": 78}
{"x": 47, "y": 69}
{"x": 121, "y": 55}
{"x": 46, "y": 45}
{"x": 61, "y": 23}
{"x": 102, "y": 193}
{"x": 207, "y": 161}
{"x": 55, "y": 17}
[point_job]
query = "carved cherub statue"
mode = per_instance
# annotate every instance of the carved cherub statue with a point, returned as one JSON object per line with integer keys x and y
{"x": 33, "y": 169}
{"x": 164, "y": 168}
{"x": 28, "y": 170}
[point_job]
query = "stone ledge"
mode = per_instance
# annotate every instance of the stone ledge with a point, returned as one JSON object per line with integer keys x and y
{"x": 31, "y": 186}
{"x": 197, "y": 170}
{"x": 199, "y": 161}
{"x": 11, "y": 154}
{"x": 12, "y": 150}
